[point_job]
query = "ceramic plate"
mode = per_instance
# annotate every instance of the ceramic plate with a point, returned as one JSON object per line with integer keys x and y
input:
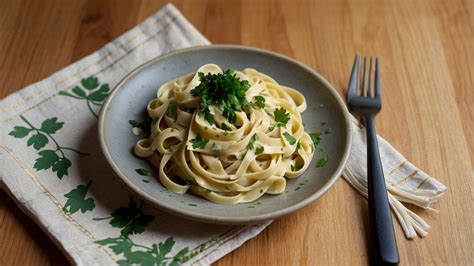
{"x": 130, "y": 97}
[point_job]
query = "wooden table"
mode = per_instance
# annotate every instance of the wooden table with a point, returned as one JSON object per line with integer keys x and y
{"x": 427, "y": 52}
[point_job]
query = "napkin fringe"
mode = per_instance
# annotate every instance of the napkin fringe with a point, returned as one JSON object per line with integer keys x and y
{"x": 411, "y": 223}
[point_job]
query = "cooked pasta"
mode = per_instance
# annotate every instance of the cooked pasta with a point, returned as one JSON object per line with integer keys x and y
{"x": 230, "y": 150}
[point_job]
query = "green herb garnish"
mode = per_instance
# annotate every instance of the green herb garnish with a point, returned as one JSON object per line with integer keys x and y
{"x": 224, "y": 127}
{"x": 142, "y": 172}
{"x": 209, "y": 117}
{"x": 260, "y": 101}
{"x": 298, "y": 145}
{"x": 324, "y": 122}
{"x": 259, "y": 150}
{"x": 327, "y": 131}
{"x": 199, "y": 142}
{"x": 322, "y": 162}
{"x": 224, "y": 90}
{"x": 173, "y": 110}
{"x": 252, "y": 141}
{"x": 315, "y": 137}
{"x": 281, "y": 117}
{"x": 141, "y": 125}
{"x": 295, "y": 167}
{"x": 146, "y": 181}
{"x": 289, "y": 138}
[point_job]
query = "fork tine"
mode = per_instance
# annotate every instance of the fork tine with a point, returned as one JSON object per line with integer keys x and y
{"x": 363, "y": 90}
{"x": 369, "y": 91}
{"x": 352, "y": 87}
{"x": 377, "y": 78}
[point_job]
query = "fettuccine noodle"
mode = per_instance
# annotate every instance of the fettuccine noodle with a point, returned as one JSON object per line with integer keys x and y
{"x": 240, "y": 162}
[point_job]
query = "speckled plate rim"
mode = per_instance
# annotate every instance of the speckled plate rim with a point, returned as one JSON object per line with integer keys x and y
{"x": 223, "y": 219}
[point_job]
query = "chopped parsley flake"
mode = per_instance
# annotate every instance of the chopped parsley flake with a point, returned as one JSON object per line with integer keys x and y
{"x": 259, "y": 150}
{"x": 322, "y": 162}
{"x": 281, "y": 117}
{"x": 252, "y": 141}
{"x": 209, "y": 117}
{"x": 141, "y": 125}
{"x": 295, "y": 167}
{"x": 173, "y": 110}
{"x": 142, "y": 172}
{"x": 327, "y": 131}
{"x": 298, "y": 145}
{"x": 271, "y": 127}
{"x": 324, "y": 122}
{"x": 315, "y": 137}
{"x": 224, "y": 127}
{"x": 289, "y": 138}
{"x": 146, "y": 181}
{"x": 199, "y": 142}
{"x": 260, "y": 102}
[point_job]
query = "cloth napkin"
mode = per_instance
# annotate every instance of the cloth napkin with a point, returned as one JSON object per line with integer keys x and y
{"x": 51, "y": 164}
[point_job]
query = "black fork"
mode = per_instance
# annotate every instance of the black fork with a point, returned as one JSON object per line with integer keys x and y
{"x": 366, "y": 103}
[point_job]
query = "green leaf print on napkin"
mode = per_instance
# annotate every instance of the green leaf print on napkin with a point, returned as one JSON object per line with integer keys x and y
{"x": 92, "y": 92}
{"x": 130, "y": 219}
{"x": 133, "y": 221}
{"x": 56, "y": 158}
{"x": 77, "y": 200}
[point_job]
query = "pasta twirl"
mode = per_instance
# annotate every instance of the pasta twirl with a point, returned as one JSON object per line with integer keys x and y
{"x": 227, "y": 162}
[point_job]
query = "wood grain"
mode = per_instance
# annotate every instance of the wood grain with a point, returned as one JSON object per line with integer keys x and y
{"x": 426, "y": 49}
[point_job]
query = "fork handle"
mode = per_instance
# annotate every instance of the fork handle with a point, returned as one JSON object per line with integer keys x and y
{"x": 382, "y": 235}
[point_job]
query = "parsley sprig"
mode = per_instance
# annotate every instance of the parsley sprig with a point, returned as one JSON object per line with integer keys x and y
{"x": 173, "y": 110}
{"x": 224, "y": 90}
{"x": 289, "y": 138}
{"x": 259, "y": 102}
{"x": 281, "y": 117}
{"x": 199, "y": 142}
